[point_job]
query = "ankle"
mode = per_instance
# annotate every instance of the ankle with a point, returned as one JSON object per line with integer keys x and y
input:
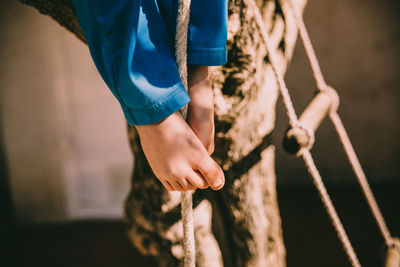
{"x": 197, "y": 74}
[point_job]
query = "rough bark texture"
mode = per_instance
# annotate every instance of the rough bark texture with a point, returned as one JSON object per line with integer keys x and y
{"x": 60, "y": 10}
{"x": 239, "y": 225}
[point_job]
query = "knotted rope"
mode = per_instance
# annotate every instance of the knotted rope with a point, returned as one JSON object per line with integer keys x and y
{"x": 186, "y": 197}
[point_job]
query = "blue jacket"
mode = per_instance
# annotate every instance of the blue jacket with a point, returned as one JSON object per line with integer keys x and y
{"x": 132, "y": 46}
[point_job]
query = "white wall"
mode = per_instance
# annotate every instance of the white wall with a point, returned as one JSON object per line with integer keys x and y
{"x": 64, "y": 133}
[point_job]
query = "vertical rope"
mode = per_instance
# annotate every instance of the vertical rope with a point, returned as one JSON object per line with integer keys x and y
{"x": 181, "y": 39}
{"x": 186, "y": 197}
{"x": 189, "y": 259}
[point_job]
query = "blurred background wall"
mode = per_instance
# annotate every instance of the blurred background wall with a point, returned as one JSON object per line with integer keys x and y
{"x": 63, "y": 137}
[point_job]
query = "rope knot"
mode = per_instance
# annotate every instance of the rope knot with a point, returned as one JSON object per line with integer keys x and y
{"x": 395, "y": 244}
{"x": 297, "y": 138}
{"x": 335, "y": 99}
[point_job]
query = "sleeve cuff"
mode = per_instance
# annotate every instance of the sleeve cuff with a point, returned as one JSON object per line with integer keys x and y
{"x": 158, "y": 111}
{"x": 207, "y": 56}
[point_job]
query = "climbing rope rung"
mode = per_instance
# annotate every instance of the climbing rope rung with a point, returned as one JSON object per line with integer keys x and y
{"x": 302, "y": 135}
{"x": 393, "y": 254}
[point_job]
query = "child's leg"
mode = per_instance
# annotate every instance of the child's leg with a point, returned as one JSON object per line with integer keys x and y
{"x": 175, "y": 154}
{"x": 206, "y": 47}
{"x": 201, "y": 106}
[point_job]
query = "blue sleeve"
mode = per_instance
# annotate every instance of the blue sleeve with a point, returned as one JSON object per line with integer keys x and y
{"x": 134, "y": 54}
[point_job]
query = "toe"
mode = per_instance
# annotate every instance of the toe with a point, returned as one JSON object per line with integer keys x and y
{"x": 197, "y": 180}
{"x": 212, "y": 173}
{"x": 186, "y": 184}
{"x": 177, "y": 186}
{"x": 167, "y": 185}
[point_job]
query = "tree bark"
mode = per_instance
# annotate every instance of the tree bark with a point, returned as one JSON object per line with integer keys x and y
{"x": 240, "y": 224}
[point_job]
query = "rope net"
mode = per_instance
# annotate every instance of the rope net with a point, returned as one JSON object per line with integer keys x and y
{"x": 186, "y": 197}
{"x": 341, "y": 131}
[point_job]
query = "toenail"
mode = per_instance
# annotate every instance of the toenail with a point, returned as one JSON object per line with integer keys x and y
{"x": 220, "y": 184}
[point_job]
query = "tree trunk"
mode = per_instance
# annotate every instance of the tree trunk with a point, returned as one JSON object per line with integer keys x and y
{"x": 240, "y": 224}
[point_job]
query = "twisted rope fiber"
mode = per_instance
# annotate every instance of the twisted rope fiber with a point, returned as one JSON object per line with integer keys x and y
{"x": 306, "y": 155}
{"x": 326, "y": 200}
{"x": 341, "y": 131}
{"x": 186, "y": 197}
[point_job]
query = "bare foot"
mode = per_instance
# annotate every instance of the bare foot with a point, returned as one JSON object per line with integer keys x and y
{"x": 201, "y": 106}
{"x": 177, "y": 156}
